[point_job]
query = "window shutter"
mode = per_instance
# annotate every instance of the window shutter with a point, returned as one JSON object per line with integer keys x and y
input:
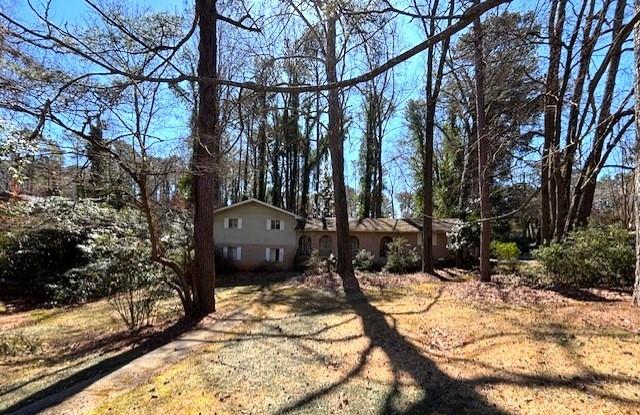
{"x": 226, "y": 223}
{"x": 281, "y": 254}
{"x": 268, "y": 224}
{"x": 281, "y": 225}
{"x": 267, "y": 254}
{"x": 239, "y": 223}
{"x": 238, "y": 253}
{"x": 225, "y": 251}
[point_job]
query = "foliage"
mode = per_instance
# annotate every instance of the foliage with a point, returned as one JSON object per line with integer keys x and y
{"x": 511, "y": 55}
{"x": 35, "y": 262}
{"x": 591, "y": 255}
{"x": 327, "y": 202}
{"x": 508, "y": 252}
{"x": 13, "y": 344}
{"x": 449, "y": 176}
{"x": 505, "y": 251}
{"x": 16, "y": 150}
{"x": 401, "y": 256}
{"x": 315, "y": 264}
{"x": 223, "y": 264}
{"x": 72, "y": 258}
{"x": 464, "y": 235}
{"x": 135, "y": 284}
{"x": 363, "y": 260}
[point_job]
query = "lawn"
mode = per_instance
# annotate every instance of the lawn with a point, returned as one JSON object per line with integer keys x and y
{"x": 418, "y": 348}
{"x": 413, "y": 345}
{"x": 56, "y": 347}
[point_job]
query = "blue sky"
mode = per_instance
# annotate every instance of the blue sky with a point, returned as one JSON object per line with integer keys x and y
{"x": 409, "y": 76}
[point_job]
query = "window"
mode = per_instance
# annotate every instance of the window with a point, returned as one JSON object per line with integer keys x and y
{"x": 274, "y": 255}
{"x": 233, "y": 223}
{"x": 325, "y": 245}
{"x": 384, "y": 248}
{"x": 355, "y": 244}
{"x": 233, "y": 253}
{"x": 274, "y": 224}
{"x": 304, "y": 246}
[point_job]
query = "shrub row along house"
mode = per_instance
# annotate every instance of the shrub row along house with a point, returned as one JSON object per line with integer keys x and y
{"x": 255, "y": 235}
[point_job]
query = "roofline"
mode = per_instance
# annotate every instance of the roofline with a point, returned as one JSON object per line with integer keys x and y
{"x": 260, "y": 202}
{"x": 359, "y": 231}
{"x": 416, "y": 229}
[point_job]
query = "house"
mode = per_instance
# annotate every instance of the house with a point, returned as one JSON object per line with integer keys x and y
{"x": 256, "y": 235}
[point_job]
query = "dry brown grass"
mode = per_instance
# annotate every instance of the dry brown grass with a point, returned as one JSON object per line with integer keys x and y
{"x": 66, "y": 341}
{"x": 424, "y": 347}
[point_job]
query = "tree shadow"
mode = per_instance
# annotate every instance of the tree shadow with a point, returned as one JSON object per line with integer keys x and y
{"x": 441, "y": 393}
{"x": 581, "y": 294}
{"x": 63, "y": 389}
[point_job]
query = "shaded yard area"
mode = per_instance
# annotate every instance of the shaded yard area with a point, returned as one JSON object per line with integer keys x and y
{"x": 412, "y": 345}
{"x": 47, "y": 350}
{"x": 425, "y": 348}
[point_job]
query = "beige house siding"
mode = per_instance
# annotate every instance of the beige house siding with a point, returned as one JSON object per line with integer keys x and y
{"x": 371, "y": 241}
{"x": 254, "y": 238}
{"x": 439, "y": 244}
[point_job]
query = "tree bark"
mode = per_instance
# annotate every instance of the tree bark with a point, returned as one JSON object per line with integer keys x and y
{"x": 206, "y": 182}
{"x": 636, "y": 45}
{"x": 344, "y": 265}
{"x": 262, "y": 148}
{"x": 551, "y": 108}
{"x": 594, "y": 164}
{"x": 432, "y": 92}
{"x": 483, "y": 168}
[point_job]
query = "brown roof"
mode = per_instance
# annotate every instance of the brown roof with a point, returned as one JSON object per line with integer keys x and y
{"x": 439, "y": 225}
{"x": 362, "y": 225}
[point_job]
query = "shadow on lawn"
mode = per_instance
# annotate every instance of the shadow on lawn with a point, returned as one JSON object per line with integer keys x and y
{"x": 442, "y": 393}
{"x": 582, "y": 294}
{"x": 65, "y": 388}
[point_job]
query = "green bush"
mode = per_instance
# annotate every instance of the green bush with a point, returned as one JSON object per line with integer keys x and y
{"x": 70, "y": 259}
{"x": 34, "y": 263}
{"x": 590, "y": 256}
{"x": 363, "y": 260}
{"x": 223, "y": 264}
{"x": 505, "y": 251}
{"x": 401, "y": 256}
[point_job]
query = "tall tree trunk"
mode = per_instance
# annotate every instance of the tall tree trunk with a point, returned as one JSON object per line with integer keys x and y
{"x": 262, "y": 148}
{"x": 483, "y": 168}
{"x": 206, "y": 159}
{"x": 573, "y": 134}
{"x": 636, "y": 91}
{"x": 306, "y": 166}
{"x": 434, "y": 82}
{"x": 367, "y": 170}
{"x": 334, "y": 133}
{"x": 379, "y": 184}
{"x": 294, "y": 133}
{"x": 427, "y": 178}
{"x": 551, "y": 108}
{"x": 594, "y": 164}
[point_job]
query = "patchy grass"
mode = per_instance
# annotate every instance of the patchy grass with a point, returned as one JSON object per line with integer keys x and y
{"x": 427, "y": 347}
{"x": 43, "y": 346}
